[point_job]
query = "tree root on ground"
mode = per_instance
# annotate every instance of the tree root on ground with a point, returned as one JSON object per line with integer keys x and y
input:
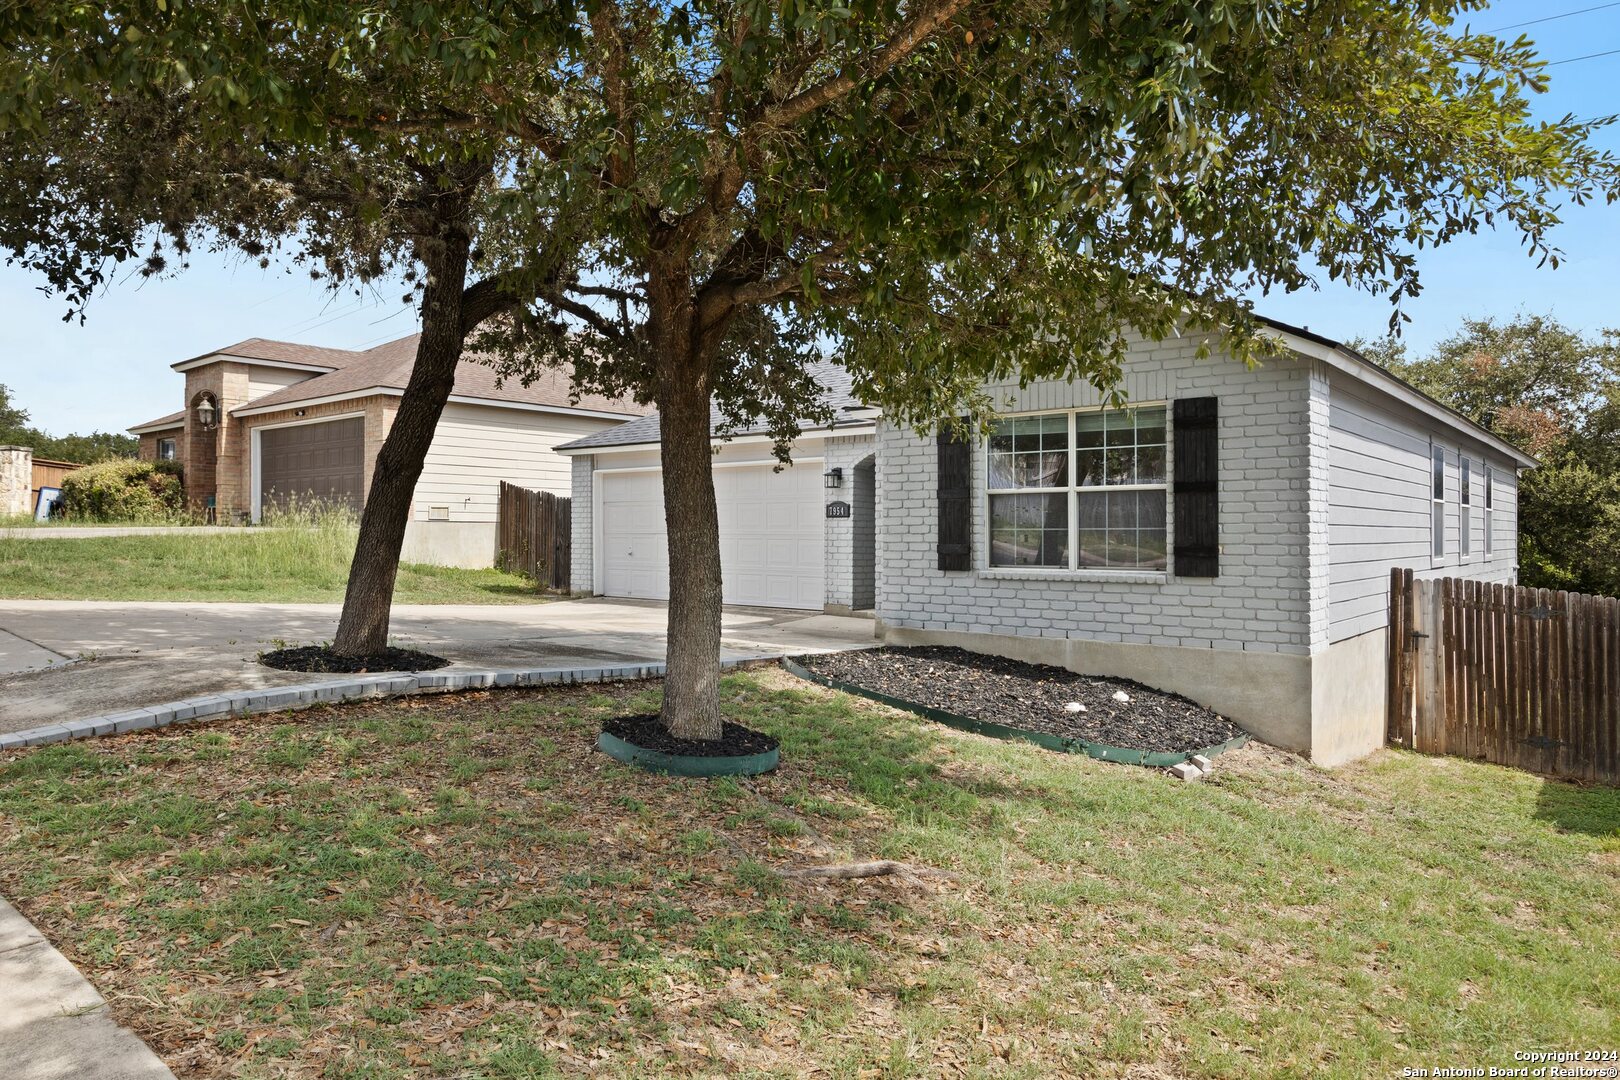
{"x": 848, "y": 871}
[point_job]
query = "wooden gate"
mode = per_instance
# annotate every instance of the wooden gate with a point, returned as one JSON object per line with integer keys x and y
{"x": 1522, "y": 677}
{"x": 533, "y": 535}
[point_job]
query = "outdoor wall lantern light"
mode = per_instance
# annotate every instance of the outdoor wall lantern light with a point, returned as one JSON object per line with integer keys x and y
{"x": 835, "y": 478}
{"x": 207, "y": 414}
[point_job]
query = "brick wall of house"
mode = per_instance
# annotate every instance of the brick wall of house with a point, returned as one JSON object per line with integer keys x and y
{"x": 581, "y": 508}
{"x": 841, "y": 535}
{"x": 148, "y": 450}
{"x": 1260, "y": 602}
{"x": 214, "y": 459}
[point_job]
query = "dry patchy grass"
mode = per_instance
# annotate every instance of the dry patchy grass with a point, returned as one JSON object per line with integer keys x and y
{"x": 463, "y": 887}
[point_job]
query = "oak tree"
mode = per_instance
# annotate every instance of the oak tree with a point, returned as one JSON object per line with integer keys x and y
{"x": 941, "y": 191}
{"x": 320, "y": 133}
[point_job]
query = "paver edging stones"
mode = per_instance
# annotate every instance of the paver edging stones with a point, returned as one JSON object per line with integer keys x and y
{"x": 293, "y": 698}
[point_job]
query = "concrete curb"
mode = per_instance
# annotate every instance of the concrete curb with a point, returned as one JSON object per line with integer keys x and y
{"x": 53, "y": 1024}
{"x": 361, "y": 687}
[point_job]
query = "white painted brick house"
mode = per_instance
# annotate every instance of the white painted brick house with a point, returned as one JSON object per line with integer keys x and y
{"x": 1299, "y": 484}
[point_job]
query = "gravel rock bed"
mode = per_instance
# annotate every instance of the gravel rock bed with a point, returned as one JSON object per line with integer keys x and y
{"x": 1030, "y": 696}
{"x": 648, "y": 732}
{"x": 321, "y": 659}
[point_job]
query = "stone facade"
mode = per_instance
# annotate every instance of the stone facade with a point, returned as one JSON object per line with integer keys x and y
{"x": 16, "y": 480}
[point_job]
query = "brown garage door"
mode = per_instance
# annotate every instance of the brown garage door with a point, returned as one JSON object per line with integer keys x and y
{"x": 313, "y": 461}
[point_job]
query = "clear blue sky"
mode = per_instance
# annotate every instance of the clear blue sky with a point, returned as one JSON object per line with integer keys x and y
{"x": 113, "y": 371}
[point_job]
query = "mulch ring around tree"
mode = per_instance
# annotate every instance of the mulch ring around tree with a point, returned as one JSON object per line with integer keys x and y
{"x": 1031, "y": 697}
{"x": 321, "y": 659}
{"x": 647, "y": 732}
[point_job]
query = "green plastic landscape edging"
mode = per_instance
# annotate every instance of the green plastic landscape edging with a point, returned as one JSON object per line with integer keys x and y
{"x": 686, "y": 764}
{"x": 1152, "y": 759}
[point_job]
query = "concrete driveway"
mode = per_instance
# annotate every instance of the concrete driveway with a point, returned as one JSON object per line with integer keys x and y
{"x": 64, "y": 659}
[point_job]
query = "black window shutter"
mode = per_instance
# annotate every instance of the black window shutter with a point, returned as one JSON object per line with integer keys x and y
{"x": 955, "y": 502}
{"x": 1198, "y": 498}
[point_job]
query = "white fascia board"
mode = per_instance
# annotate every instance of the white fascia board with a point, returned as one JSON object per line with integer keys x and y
{"x": 148, "y": 429}
{"x": 527, "y": 406}
{"x": 215, "y": 358}
{"x": 860, "y": 428}
{"x": 393, "y": 391}
{"x": 1408, "y": 395}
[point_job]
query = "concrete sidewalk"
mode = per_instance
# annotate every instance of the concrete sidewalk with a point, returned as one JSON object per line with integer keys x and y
{"x": 53, "y": 1024}
{"x": 133, "y": 655}
{"x": 19, "y": 654}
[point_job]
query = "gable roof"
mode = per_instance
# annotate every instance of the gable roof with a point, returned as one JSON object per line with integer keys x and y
{"x": 284, "y": 352}
{"x": 1341, "y": 357}
{"x": 387, "y": 369}
{"x": 162, "y": 423}
{"x": 1301, "y": 340}
{"x": 837, "y": 392}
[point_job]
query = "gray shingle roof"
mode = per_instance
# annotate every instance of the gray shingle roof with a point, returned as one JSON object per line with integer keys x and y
{"x": 388, "y": 366}
{"x": 174, "y": 419}
{"x": 837, "y": 392}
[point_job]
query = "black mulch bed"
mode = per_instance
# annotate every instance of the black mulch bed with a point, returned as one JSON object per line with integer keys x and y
{"x": 321, "y": 659}
{"x": 1030, "y": 696}
{"x": 647, "y": 732}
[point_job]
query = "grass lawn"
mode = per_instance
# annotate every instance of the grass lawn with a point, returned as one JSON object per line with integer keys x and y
{"x": 291, "y": 565}
{"x": 463, "y": 887}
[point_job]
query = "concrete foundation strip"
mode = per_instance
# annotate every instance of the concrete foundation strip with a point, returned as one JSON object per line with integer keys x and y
{"x": 1153, "y": 759}
{"x": 360, "y": 688}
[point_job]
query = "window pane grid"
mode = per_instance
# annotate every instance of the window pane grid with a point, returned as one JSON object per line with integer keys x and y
{"x": 1096, "y": 475}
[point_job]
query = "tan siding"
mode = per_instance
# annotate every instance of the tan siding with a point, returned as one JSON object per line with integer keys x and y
{"x": 267, "y": 380}
{"x": 476, "y": 447}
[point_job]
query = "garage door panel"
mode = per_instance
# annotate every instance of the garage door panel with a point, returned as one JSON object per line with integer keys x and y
{"x": 324, "y": 461}
{"x": 770, "y": 536}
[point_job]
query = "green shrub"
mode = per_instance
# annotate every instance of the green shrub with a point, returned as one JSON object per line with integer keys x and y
{"x": 123, "y": 490}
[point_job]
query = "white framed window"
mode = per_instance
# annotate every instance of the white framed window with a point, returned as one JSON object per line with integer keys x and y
{"x": 1437, "y": 505}
{"x": 1465, "y": 508}
{"x": 1082, "y": 489}
{"x": 166, "y": 449}
{"x": 1490, "y": 525}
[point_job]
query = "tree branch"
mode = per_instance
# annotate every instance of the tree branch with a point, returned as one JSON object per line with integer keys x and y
{"x": 558, "y": 299}
{"x": 910, "y": 37}
{"x": 605, "y": 25}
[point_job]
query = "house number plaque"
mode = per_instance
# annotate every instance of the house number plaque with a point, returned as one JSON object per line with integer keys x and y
{"x": 838, "y": 509}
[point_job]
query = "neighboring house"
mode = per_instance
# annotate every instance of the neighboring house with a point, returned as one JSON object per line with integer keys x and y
{"x": 1229, "y": 537}
{"x": 271, "y": 420}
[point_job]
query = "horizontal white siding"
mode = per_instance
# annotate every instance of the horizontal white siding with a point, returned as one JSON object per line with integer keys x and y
{"x": 1380, "y": 510}
{"x": 267, "y": 380}
{"x": 476, "y": 447}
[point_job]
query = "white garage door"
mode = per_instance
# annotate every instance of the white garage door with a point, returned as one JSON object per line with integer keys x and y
{"x": 770, "y": 535}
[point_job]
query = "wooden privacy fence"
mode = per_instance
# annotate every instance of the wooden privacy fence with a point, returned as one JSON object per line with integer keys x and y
{"x": 533, "y": 535}
{"x": 1522, "y": 677}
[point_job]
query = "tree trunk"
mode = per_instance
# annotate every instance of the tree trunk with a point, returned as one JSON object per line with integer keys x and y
{"x": 363, "y": 626}
{"x": 691, "y": 708}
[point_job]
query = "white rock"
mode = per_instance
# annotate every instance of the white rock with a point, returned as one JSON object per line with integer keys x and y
{"x": 1073, "y": 706}
{"x": 1120, "y": 695}
{"x": 1203, "y": 763}
{"x": 1185, "y": 770}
